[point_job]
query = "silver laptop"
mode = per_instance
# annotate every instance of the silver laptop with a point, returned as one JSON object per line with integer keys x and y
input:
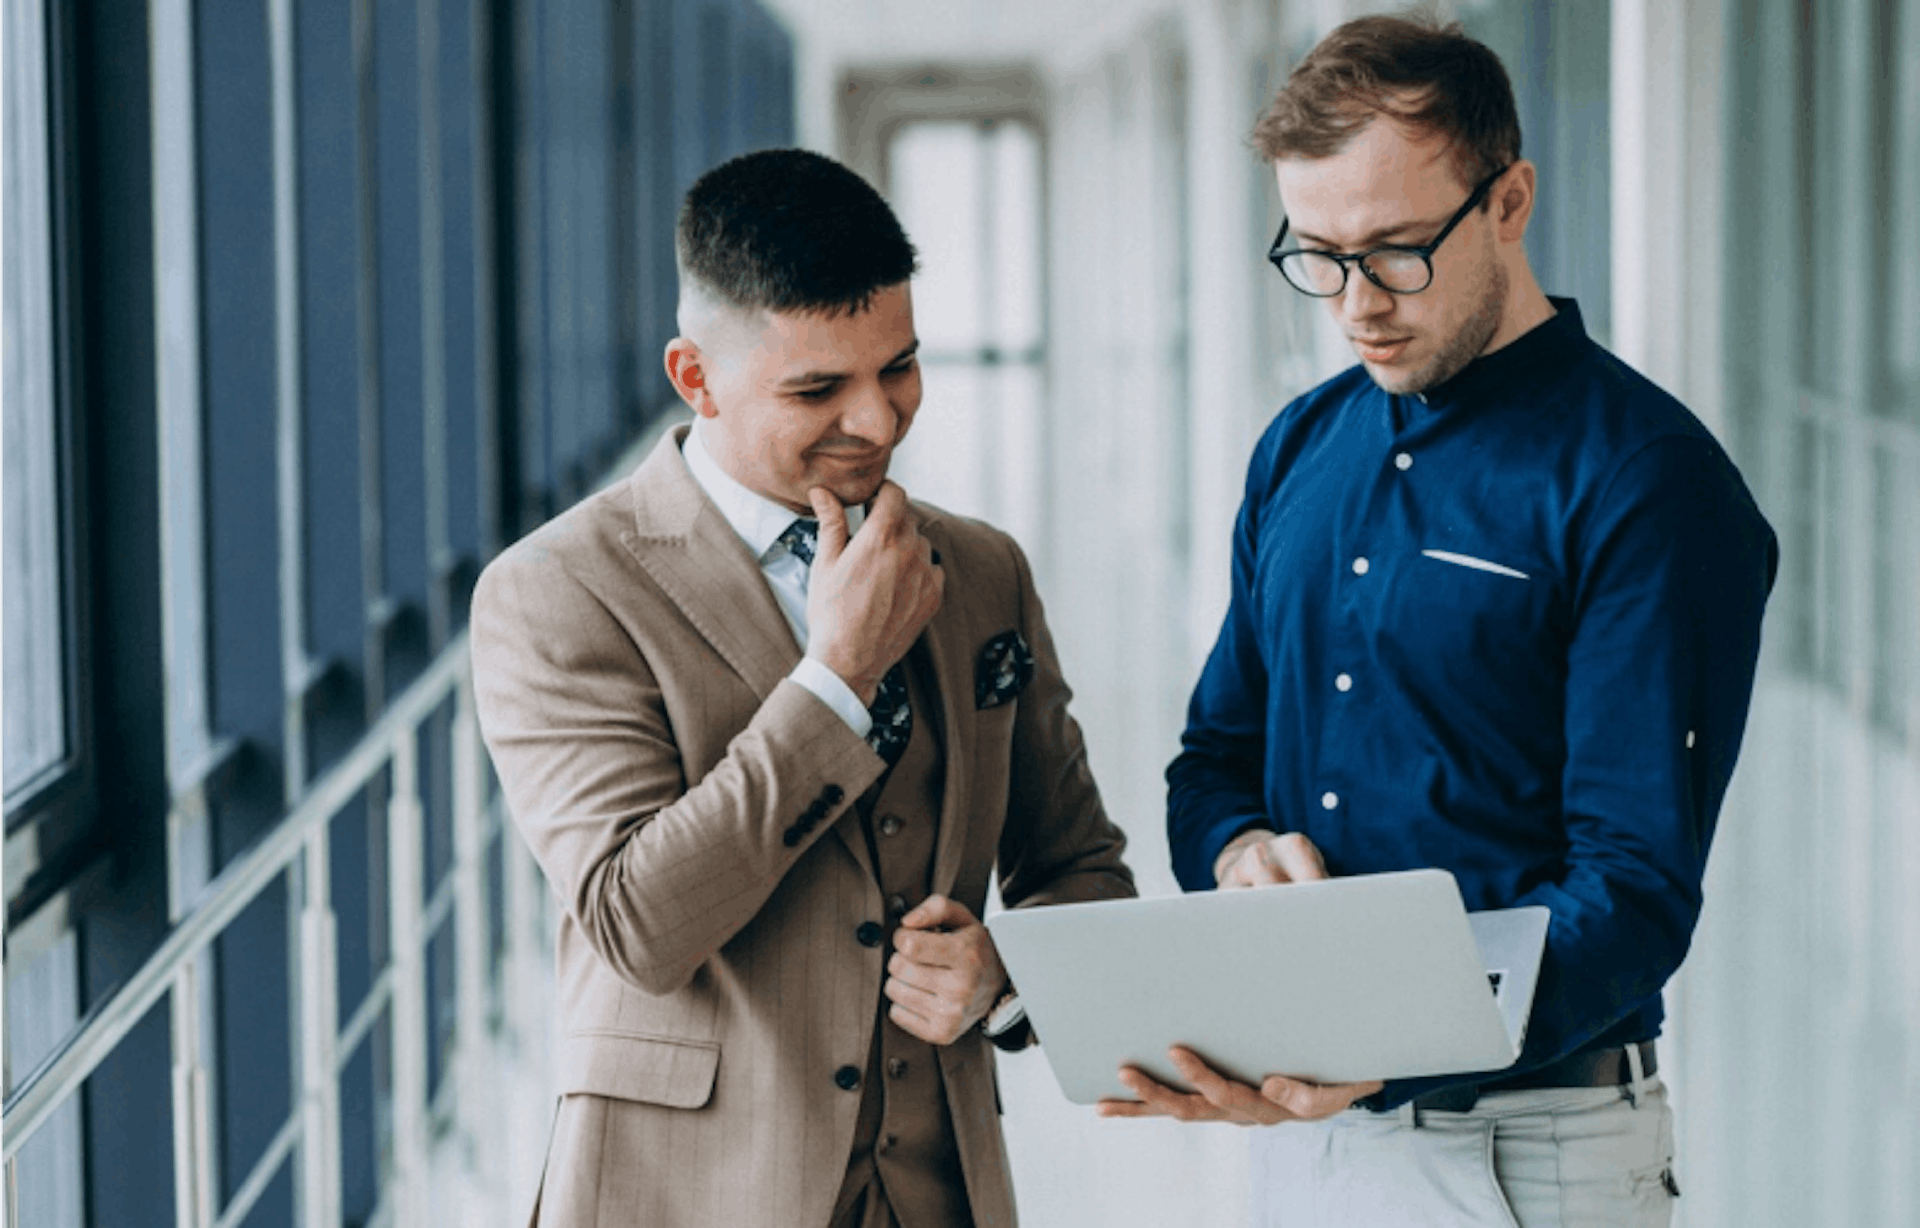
{"x": 1374, "y": 977}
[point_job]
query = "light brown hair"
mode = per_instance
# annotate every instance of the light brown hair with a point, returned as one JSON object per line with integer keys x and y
{"x": 1412, "y": 69}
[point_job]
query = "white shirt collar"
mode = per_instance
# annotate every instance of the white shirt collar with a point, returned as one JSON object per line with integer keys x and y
{"x": 757, "y": 519}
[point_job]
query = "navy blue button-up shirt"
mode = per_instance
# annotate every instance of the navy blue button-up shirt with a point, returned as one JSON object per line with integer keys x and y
{"x": 1507, "y": 629}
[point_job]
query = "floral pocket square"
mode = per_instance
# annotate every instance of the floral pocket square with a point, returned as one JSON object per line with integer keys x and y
{"x": 1003, "y": 671}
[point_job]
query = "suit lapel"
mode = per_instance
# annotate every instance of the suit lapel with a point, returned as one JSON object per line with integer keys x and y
{"x": 948, "y": 641}
{"x": 696, "y": 558}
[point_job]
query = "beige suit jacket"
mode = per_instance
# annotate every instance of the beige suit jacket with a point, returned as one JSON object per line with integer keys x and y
{"x": 693, "y": 809}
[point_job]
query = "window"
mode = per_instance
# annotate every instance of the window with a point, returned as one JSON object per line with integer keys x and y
{"x": 968, "y": 194}
{"x": 38, "y": 737}
{"x": 1557, "y": 58}
{"x": 50, "y": 834}
{"x": 1822, "y": 390}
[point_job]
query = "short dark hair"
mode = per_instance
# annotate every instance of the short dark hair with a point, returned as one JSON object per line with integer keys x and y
{"x": 789, "y": 230}
{"x": 1410, "y": 68}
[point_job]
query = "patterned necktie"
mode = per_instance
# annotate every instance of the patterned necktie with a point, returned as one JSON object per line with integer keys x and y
{"x": 799, "y": 538}
{"x": 892, "y": 715}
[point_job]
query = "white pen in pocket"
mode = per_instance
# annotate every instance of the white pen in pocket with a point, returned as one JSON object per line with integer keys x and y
{"x": 1467, "y": 560}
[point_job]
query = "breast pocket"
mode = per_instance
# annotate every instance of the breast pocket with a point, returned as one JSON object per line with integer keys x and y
{"x": 1472, "y": 605}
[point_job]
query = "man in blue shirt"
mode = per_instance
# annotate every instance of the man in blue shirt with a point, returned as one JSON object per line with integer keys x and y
{"x": 1496, "y": 607}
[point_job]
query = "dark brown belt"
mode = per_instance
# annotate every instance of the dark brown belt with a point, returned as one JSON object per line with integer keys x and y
{"x": 1596, "y": 1068}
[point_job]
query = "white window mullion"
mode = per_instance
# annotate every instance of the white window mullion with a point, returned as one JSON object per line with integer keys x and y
{"x": 290, "y": 431}
{"x": 177, "y": 379}
{"x": 190, "y": 753}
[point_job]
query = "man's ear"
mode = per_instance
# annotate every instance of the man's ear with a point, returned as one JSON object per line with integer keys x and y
{"x": 1513, "y": 201}
{"x": 687, "y": 368}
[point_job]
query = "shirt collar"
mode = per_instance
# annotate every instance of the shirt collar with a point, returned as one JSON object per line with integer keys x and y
{"x": 1546, "y": 348}
{"x": 758, "y": 520}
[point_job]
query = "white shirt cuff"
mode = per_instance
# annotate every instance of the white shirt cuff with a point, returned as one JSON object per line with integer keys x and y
{"x": 833, "y": 691}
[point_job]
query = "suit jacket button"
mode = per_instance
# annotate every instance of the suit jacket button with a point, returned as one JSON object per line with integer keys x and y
{"x": 847, "y": 1078}
{"x": 869, "y": 934}
{"x": 833, "y": 794}
{"x": 792, "y": 837}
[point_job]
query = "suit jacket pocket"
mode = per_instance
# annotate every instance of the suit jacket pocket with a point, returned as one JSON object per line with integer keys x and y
{"x": 663, "y": 1070}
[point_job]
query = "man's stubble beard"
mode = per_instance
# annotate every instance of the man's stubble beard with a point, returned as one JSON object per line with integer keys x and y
{"x": 1465, "y": 345}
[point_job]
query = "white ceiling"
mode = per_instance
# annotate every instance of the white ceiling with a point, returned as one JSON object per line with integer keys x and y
{"x": 1002, "y": 31}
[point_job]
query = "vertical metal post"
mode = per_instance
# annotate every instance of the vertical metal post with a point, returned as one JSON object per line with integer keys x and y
{"x": 475, "y": 1092}
{"x": 193, "y": 1196}
{"x": 318, "y": 1015}
{"x": 408, "y": 939}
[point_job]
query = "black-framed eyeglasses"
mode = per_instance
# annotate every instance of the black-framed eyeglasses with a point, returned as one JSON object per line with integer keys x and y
{"x": 1394, "y": 268}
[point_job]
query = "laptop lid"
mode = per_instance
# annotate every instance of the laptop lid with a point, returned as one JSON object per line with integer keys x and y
{"x": 1370, "y": 977}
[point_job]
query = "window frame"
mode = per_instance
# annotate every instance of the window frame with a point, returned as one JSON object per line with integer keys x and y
{"x": 51, "y": 820}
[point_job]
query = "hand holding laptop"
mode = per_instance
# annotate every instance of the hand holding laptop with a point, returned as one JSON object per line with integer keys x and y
{"x": 1219, "y": 1098}
{"x": 1255, "y": 858}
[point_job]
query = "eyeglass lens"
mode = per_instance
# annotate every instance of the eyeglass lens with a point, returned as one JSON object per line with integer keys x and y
{"x": 1320, "y": 274}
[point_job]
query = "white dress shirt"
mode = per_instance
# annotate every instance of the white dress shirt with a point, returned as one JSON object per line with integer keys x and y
{"x": 760, "y": 521}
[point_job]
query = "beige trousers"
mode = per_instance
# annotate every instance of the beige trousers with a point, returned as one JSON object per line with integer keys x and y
{"x": 1553, "y": 1158}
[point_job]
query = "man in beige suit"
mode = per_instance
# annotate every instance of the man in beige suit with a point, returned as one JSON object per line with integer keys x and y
{"x": 768, "y": 726}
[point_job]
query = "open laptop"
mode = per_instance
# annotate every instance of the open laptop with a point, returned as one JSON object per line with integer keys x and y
{"x": 1374, "y": 977}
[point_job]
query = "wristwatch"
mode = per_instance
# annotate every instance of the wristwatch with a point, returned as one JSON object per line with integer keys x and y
{"x": 1006, "y": 1024}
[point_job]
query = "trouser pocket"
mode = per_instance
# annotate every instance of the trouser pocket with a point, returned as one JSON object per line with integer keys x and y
{"x": 1364, "y": 1172}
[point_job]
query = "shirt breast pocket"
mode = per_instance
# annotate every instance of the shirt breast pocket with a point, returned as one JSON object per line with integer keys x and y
{"x": 1485, "y": 603}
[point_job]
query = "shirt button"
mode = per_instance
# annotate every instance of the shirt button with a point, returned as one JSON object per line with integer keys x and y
{"x": 1403, "y": 462}
{"x": 890, "y": 825}
{"x": 897, "y": 1067}
{"x": 846, "y": 1078}
{"x": 1360, "y": 566}
{"x": 1343, "y": 683}
{"x": 1329, "y": 800}
{"x": 869, "y": 934}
